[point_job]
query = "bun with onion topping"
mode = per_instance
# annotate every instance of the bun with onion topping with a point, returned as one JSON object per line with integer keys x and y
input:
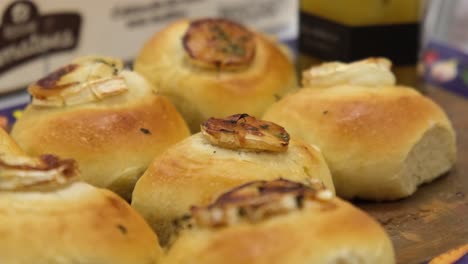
{"x": 227, "y": 153}
{"x": 48, "y": 217}
{"x": 381, "y": 141}
{"x": 105, "y": 117}
{"x": 216, "y": 67}
{"x": 279, "y": 222}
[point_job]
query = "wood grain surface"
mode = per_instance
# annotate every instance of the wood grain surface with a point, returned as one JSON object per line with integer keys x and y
{"x": 435, "y": 218}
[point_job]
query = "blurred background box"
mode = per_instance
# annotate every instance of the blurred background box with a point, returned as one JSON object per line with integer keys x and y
{"x": 444, "y": 56}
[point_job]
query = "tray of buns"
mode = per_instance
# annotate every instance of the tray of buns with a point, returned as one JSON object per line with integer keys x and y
{"x": 210, "y": 150}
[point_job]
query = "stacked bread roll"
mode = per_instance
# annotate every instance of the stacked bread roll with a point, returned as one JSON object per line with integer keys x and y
{"x": 107, "y": 118}
{"x": 215, "y": 68}
{"x": 48, "y": 217}
{"x": 380, "y": 140}
{"x": 273, "y": 222}
{"x": 243, "y": 190}
{"x": 228, "y": 152}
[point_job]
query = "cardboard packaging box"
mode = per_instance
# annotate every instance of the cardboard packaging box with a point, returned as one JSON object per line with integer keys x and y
{"x": 444, "y": 55}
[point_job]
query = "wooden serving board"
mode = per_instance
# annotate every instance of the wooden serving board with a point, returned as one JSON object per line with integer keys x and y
{"x": 435, "y": 218}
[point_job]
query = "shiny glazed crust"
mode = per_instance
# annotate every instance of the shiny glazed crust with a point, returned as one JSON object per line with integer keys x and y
{"x": 200, "y": 93}
{"x": 76, "y": 223}
{"x": 341, "y": 235}
{"x": 369, "y": 136}
{"x": 113, "y": 140}
{"x": 194, "y": 172}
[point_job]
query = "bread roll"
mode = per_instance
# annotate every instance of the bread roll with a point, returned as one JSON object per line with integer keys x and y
{"x": 227, "y": 153}
{"x": 105, "y": 117}
{"x": 279, "y": 222}
{"x": 50, "y": 218}
{"x": 215, "y": 67}
{"x": 380, "y": 143}
{"x": 8, "y": 145}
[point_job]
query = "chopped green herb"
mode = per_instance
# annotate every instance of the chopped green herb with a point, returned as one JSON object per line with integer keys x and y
{"x": 283, "y": 136}
{"x": 122, "y": 229}
{"x": 145, "y": 131}
{"x": 185, "y": 217}
{"x": 242, "y": 116}
{"x": 300, "y": 201}
{"x": 242, "y": 212}
{"x": 236, "y": 49}
{"x": 220, "y": 33}
{"x": 105, "y": 62}
{"x": 232, "y": 47}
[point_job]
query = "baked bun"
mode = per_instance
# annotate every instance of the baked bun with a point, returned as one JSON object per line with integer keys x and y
{"x": 279, "y": 222}
{"x": 215, "y": 67}
{"x": 381, "y": 143}
{"x": 49, "y": 218}
{"x": 8, "y": 145}
{"x": 227, "y": 153}
{"x": 105, "y": 117}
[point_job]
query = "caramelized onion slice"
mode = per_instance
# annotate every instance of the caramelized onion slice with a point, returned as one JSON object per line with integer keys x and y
{"x": 87, "y": 79}
{"x": 372, "y": 72}
{"x": 259, "y": 200}
{"x": 18, "y": 172}
{"x": 245, "y": 132}
{"x": 219, "y": 43}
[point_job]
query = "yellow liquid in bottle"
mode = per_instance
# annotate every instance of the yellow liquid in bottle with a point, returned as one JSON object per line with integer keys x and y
{"x": 352, "y": 15}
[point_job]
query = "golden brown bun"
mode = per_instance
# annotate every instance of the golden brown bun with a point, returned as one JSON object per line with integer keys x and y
{"x": 77, "y": 224}
{"x": 380, "y": 143}
{"x": 113, "y": 139}
{"x": 200, "y": 93}
{"x": 57, "y": 220}
{"x": 8, "y": 145}
{"x": 335, "y": 232}
{"x": 195, "y": 171}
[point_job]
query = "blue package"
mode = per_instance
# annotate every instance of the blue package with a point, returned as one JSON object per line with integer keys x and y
{"x": 446, "y": 67}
